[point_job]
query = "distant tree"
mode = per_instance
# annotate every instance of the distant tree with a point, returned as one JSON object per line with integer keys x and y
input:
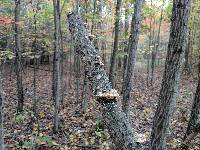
{"x": 171, "y": 76}
{"x": 126, "y": 33}
{"x": 93, "y": 15}
{"x": 116, "y": 41}
{"x": 56, "y": 65}
{"x": 133, "y": 44}
{"x": 18, "y": 60}
{"x": 156, "y": 44}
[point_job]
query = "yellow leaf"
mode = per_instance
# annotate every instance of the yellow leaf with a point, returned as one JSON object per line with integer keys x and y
{"x": 54, "y": 143}
{"x": 41, "y": 114}
{"x": 65, "y": 147}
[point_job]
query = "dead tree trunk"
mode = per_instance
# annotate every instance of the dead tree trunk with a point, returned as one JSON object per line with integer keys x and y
{"x": 170, "y": 81}
{"x": 115, "y": 120}
{"x": 133, "y": 44}
{"x": 18, "y": 63}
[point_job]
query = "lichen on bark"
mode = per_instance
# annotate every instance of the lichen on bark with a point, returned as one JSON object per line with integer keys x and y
{"x": 113, "y": 117}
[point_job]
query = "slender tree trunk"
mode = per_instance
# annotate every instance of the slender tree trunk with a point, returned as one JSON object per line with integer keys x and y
{"x": 70, "y": 64}
{"x": 156, "y": 45}
{"x": 151, "y": 36}
{"x": 171, "y": 76}
{"x": 18, "y": 66}
{"x": 115, "y": 120}
{"x": 93, "y": 16}
{"x": 116, "y": 41}
{"x": 1, "y": 111}
{"x": 77, "y": 62}
{"x": 133, "y": 44}
{"x": 187, "y": 68}
{"x": 56, "y": 66}
{"x": 126, "y": 45}
{"x": 34, "y": 46}
{"x": 61, "y": 54}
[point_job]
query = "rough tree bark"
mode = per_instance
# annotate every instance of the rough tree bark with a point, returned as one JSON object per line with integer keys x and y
{"x": 194, "y": 122}
{"x": 115, "y": 120}
{"x": 170, "y": 81}
{"x": 116, "y": 41}
{"x": 133, "y": 44}
{"x": 18, "y": 63}
{"x": 56, "y": 66}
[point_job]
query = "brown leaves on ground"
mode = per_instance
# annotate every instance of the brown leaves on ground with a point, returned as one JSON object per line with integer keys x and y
{"x": 80, "y": 131}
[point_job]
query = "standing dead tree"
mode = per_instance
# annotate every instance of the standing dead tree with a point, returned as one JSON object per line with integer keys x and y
{"x": 113, "y": 117}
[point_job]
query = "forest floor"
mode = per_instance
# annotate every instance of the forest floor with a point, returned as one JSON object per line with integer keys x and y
{"x": 80, "y": 131}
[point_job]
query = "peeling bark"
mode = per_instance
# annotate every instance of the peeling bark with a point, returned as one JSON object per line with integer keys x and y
{"x": 114, "y": 119}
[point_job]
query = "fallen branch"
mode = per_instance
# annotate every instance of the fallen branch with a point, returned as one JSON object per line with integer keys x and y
{"x": 114, "y": 119}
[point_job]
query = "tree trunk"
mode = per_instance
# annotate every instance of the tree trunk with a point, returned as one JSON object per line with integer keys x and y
{"x": 61, "y": 55}
{"x": 34, "y": 68}
{"x": 187, "y": 68}
{"x": 156, "y": 45}
{"x": 171, "y": 76}
{"x": 18, "y": 66}
{"x": 126, "y": 45}
{"x": 115, "y": 120}
{"x": 56, "y": 66}
{"x": 93, "y": 16}
{"x": 116, "y": 41}
{"x": 133, "y": 44}
{"x": 194, "y": 122}
{"x": 151, "y": 36}
{"x": 1, "y": 112}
